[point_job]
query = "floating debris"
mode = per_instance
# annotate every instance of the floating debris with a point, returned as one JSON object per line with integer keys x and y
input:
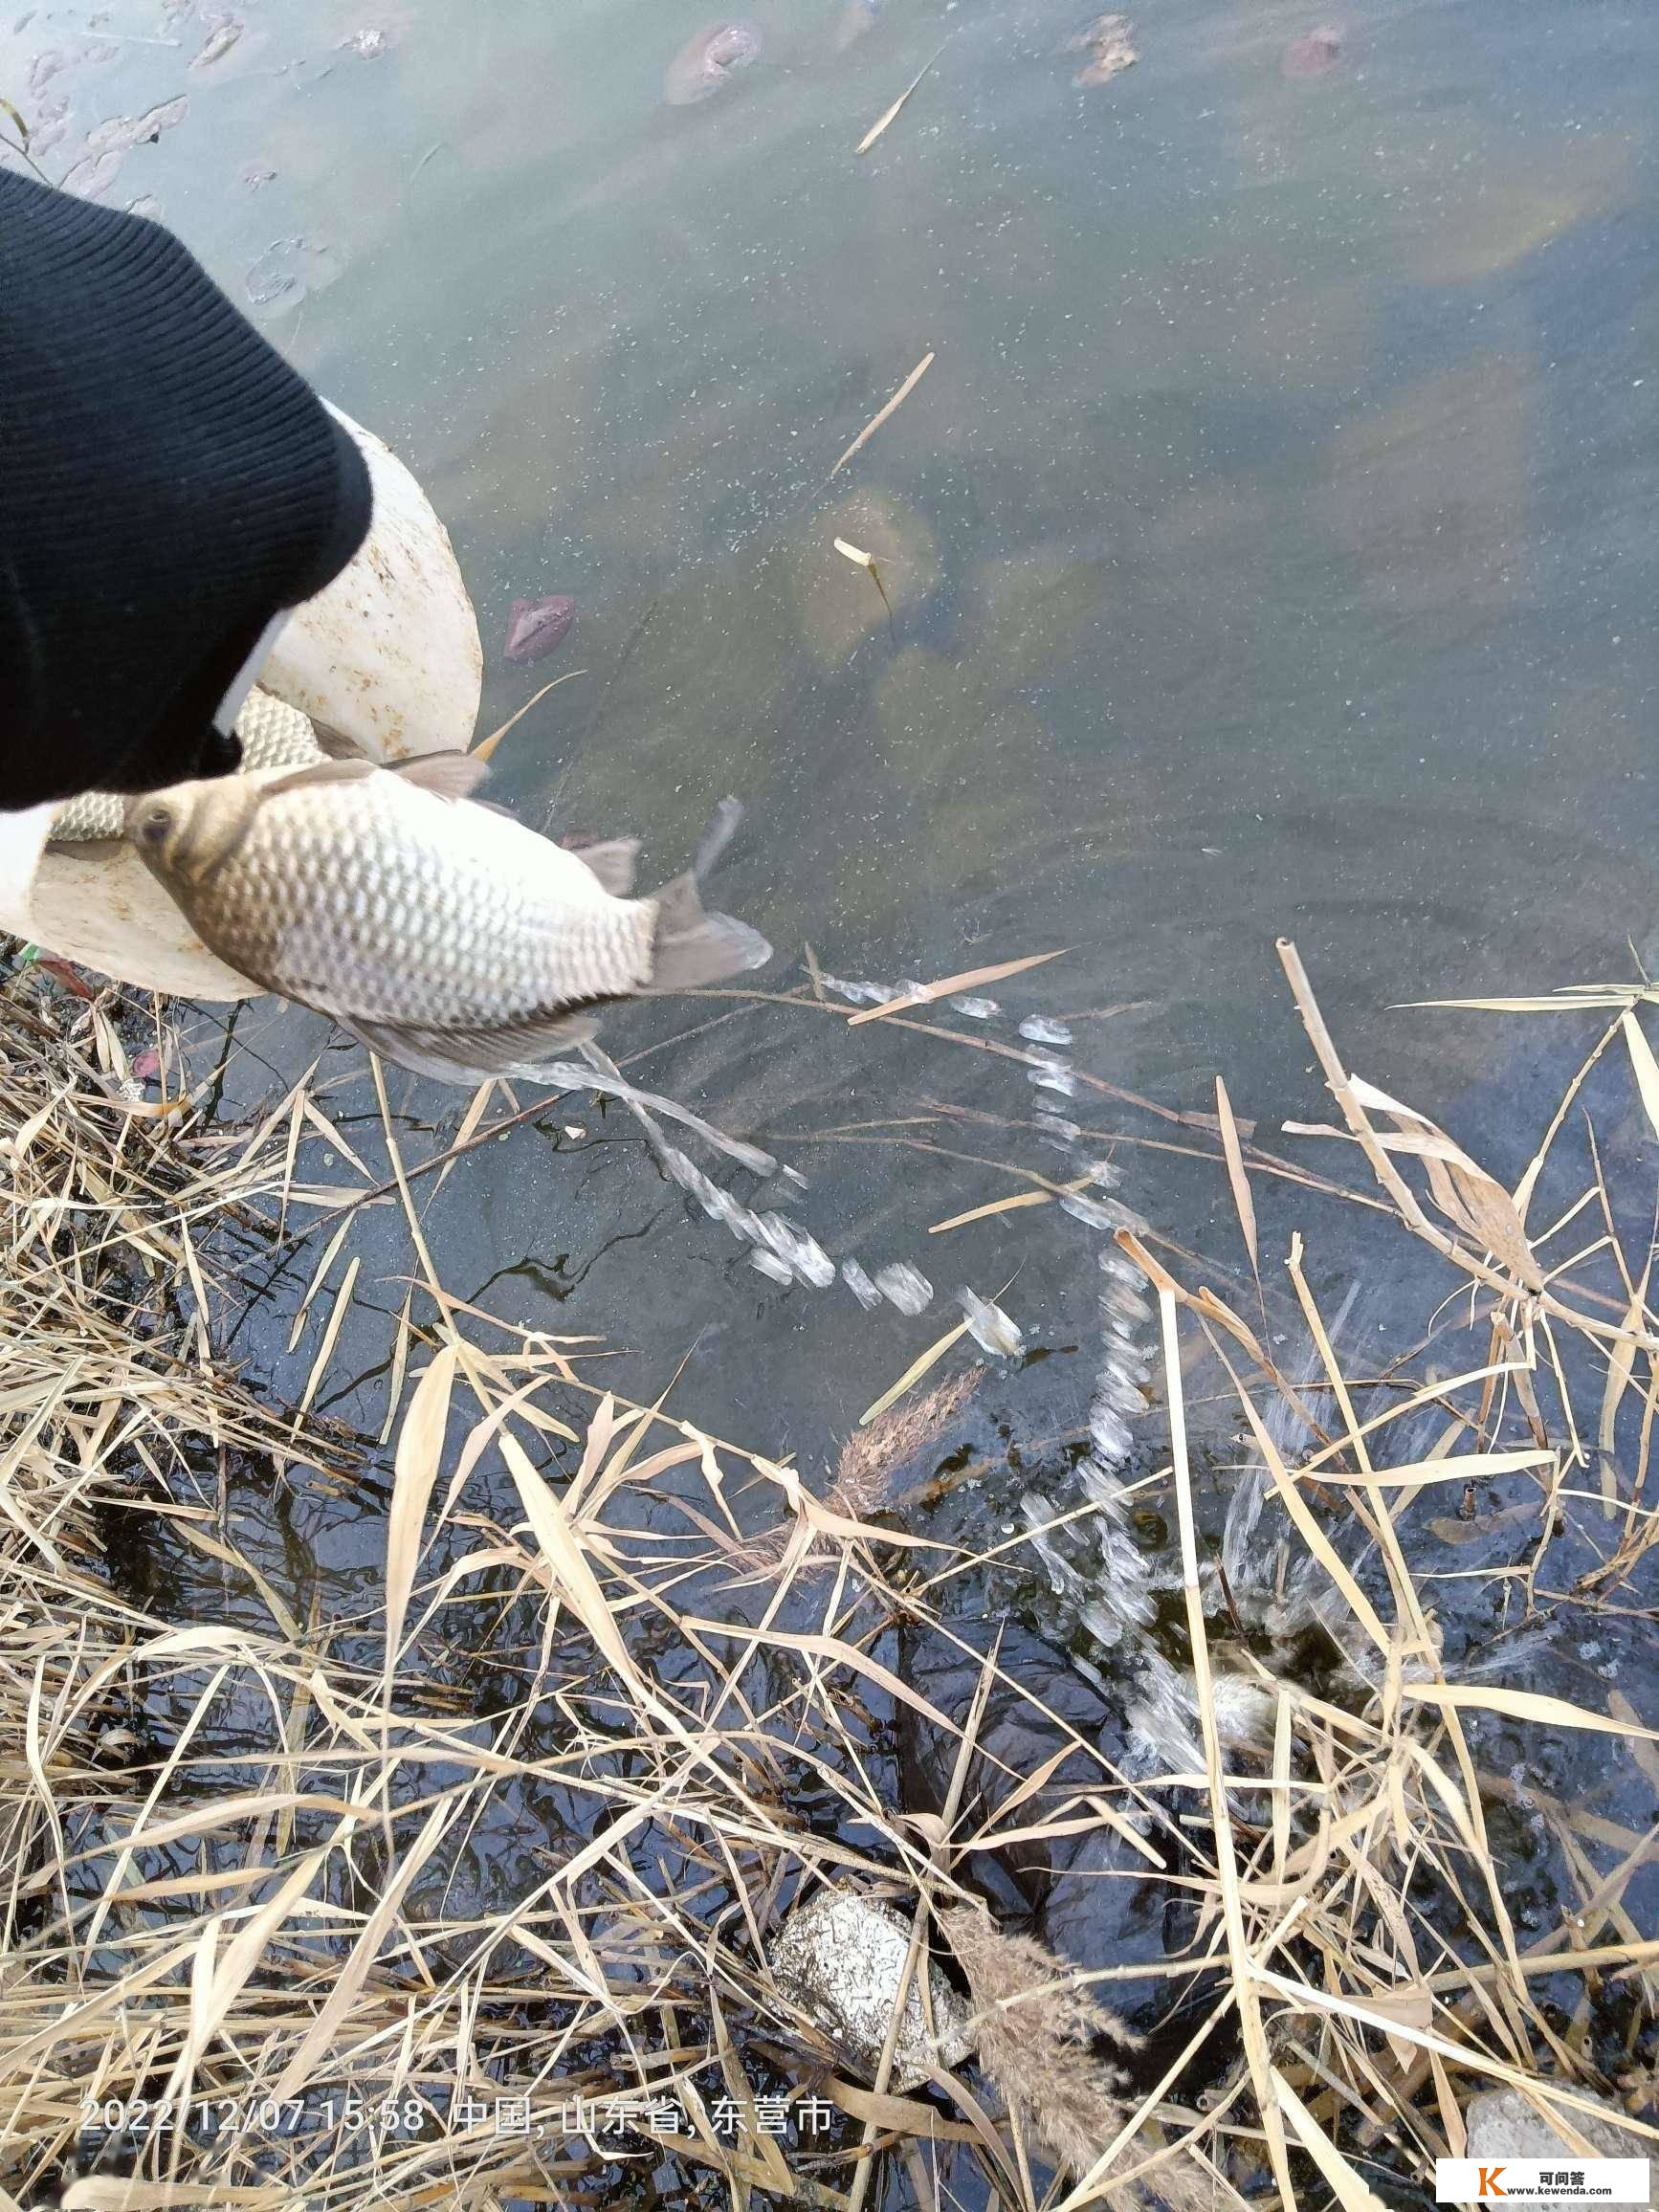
{"x": 50, "y": 128}
{"x": 891, "y": 114}
{"x": 802, "y": 1254}
{"x": 121, "y": 132}
{"x": 306, "y": 70}
{"x": 977, "y": 1010}
{"x": 369, "y": 43}
{"x": 537, "y": 627}
{"x": 90, "y": 179}
{"x": 1038, "y": 1030}
{"x": 219, "y": 42}
{"x": 905, "y": 1287}
{"x": 860, "y": 1285}
{"x": 857, "y": 994}
{"x": 867, "y": 561}
{"x": 881, "y": 414}
{"x": 256, "y": 176}
{"x": 709, "y": 60}
{"x": 1313, "y": 54}
{"x": 1109, "y": 47}
{"x": 275, "y": 273}
{"x": 990, "y": 1327}
{"x": 841, "y": 1959}
{"x": 1052, "y": 1074}
{"x": 1104, "y": 1214}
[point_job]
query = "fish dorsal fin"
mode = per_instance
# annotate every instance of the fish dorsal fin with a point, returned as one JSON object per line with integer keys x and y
{"x": 336, "y": 743}
{"x": 612, "y": 859}
{"x": 321, "y": 772}
{"x": 446, "y": 775}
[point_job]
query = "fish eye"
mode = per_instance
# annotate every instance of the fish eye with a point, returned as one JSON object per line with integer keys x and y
{"x": 154, "y": 823}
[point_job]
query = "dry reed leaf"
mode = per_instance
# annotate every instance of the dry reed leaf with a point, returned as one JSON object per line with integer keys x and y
{"x": 1521, "y": 1705}
{"x": 319, "y": 2037}
{"x": 1242, "y": 1965}
{"x": 1621, "y": 1366}
{"x": 1235, "y": 1170}
{"x": 1309, "y": 1997}
{"x": 1646, "y": 1067}
{"x": 1484, "y": 1524}
{"x": 837, "y": 1652}
{"x": 204, "y": 1542}
{"x": 1414, "y": 2006}
{"x": 1350, "y": 2192}
{"x": 486, "y": 747}
{"x": 1473, "y": 1200}
{"x": 1571, "y": 998}
{"x": 902, "y": 2116}
{"x": 110, "y": 2193}
{"x": 997, "y": 1205}
{"x": 573, "y": 1578}
{"x": 913, "y": 1373}
{"x": 399, "y": 1362}
{"x": 206, "y": 1819}
{"x": 319, "y": 1277}
{"x": 1641, "y": 1746}
{"x": 1471, "y": 1466}
{"x": 330, "y": 1338}
{"x": 420, "y": 1448}
{"x": 969, "y": 980}
{"x": 226, "y": 1980}
{"x": 880, "y": 416}
{"x": 319, "y": 1121}
{"x": 1309, "y": 1529}
{"x": 891, "y": 114}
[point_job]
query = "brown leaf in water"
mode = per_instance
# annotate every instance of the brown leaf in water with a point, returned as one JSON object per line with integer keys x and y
{"x": 1109, "y": 47}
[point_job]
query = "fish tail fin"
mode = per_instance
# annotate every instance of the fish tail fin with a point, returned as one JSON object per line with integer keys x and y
{"x": 694, "y": 946}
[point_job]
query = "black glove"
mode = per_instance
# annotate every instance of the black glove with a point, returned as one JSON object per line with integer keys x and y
{"x": 167, "y": 485}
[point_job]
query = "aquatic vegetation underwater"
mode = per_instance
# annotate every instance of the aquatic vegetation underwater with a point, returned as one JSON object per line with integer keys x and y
{"x": 473, "y": 1898}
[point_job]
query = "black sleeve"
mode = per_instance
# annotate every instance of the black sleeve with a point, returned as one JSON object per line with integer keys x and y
{"x": 167, "y": 485}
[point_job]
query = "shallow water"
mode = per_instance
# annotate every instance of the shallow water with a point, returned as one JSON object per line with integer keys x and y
{"x": 1268, "y": 550}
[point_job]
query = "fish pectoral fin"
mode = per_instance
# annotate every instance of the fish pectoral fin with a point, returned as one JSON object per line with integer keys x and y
{"x": 612, "y": 859}
{"x": 446, "y": 775}
{"x": 470, "y": 1055}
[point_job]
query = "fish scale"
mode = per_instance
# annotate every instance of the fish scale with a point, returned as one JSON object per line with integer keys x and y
{"x": 318, "y": 864}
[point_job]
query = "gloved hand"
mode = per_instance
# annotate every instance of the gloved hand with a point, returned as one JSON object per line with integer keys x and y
{"x": 169, "y": 486}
